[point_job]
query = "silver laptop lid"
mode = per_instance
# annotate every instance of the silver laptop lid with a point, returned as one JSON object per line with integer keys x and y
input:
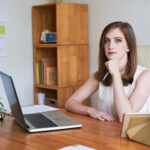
{"x": 13, "y": 98}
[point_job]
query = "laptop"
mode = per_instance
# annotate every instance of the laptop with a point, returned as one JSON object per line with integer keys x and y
{"x": 45, "y": 121}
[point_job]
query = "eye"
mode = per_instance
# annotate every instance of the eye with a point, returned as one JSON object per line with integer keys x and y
{"x": 106, "y": 41}
{"x": 118, "y": 40}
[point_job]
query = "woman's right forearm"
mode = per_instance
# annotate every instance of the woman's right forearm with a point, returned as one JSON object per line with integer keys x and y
{"x": 77, "y": 107}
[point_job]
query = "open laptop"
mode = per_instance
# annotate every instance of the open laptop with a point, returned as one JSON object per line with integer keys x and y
{"x": 45, "y": 121}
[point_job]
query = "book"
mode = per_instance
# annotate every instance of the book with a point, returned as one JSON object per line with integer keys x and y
{"x": 39, "y": 73}
{"x": 47, "y": 62}
{"x": 51, "y": 76}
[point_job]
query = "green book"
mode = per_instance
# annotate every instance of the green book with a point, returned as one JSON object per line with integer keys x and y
{"x": 40, "y": 73}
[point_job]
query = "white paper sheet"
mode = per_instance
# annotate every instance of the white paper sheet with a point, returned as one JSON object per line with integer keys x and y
{"x": 37, "y": 109}
{"x": 77, "y": 147}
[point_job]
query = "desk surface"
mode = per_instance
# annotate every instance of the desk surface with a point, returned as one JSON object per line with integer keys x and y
{"x": 94, "y": 133}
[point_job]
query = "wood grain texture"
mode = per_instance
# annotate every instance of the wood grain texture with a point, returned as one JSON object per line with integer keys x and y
{"x": 94, "y": 133}
{"x": 64, "y": 93}
{"x": 72, "y": 23}
{"x": 73, "y": 62}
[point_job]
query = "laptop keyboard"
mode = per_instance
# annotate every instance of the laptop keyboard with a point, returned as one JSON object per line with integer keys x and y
{"x": 39, "y": 121}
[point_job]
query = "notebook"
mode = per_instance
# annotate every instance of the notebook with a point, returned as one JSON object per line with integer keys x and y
{"x": 44, "y": 121}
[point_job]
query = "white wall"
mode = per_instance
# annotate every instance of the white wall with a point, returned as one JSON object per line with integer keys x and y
{"x": 19, "y": 62}
{"x": 103, "y": 12}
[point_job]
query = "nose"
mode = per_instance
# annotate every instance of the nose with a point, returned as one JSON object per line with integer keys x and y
{"x": 111, "y": 45}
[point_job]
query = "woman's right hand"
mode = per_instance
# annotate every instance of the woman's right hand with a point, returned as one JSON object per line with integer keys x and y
{"x": 100, "y": 115}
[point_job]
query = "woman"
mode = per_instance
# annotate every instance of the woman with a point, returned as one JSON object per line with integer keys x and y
{"x": 123, "y": 86}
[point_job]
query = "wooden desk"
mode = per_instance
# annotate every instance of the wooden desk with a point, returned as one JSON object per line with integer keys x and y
{"x": 94, "y": 133}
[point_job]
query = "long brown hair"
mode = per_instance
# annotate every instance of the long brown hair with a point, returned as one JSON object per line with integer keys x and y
{"x": 128, "y": 32}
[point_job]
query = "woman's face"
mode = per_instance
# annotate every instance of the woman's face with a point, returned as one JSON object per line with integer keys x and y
{"x": 115, "y": 45}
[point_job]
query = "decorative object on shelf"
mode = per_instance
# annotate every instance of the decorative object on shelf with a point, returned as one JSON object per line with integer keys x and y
{"x": 48, "y": 37}
{"x": 51, "y": 101}
{"x": 51, "y": 37}
{"x": 41, "y": 98}
{"x": 43, "y": 35}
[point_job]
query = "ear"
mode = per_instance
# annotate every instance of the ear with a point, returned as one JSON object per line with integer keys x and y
{"x": 127, "y": 49}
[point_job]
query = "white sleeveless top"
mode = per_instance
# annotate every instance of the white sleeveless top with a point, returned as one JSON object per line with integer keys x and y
{"x": 106, "y": 98}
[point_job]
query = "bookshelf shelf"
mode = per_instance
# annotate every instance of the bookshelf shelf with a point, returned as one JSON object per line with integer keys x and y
{"x": 45, "y": 45}
{"x": 53, "y": 87}
{"x": 53, "y": 45}
{"x": 70, "y": 22}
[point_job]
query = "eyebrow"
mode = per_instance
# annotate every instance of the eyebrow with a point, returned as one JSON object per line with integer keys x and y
{"x": 119, "y": 37}
{"x": 114, "y": 37}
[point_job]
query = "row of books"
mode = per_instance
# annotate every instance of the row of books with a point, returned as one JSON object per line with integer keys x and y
{"x": 46, "y": 71}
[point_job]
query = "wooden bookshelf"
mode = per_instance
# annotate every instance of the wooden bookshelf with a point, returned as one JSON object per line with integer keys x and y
{"x": 70, "y": 22}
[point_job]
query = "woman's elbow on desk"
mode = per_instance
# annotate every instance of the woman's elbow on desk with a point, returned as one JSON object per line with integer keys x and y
{"x": 71, "y": 105}
{"x": 77, "y": 107}
{"x": 67, "y": 105}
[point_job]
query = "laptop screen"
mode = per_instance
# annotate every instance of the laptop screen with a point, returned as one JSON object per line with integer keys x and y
{"x": 13, "y": 98}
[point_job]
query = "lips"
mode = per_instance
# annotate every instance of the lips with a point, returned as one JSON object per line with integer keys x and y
{"x": 111, "y": 53}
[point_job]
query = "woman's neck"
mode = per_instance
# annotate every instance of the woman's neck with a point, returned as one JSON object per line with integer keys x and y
{"x": 122, "y": 64}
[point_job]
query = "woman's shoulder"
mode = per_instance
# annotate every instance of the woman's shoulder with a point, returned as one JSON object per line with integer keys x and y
{"x": 93, "y": 77}
{"x": 142, "y": 73}
{"x": 92, "y": 80}
{"x": 139, "y": 70}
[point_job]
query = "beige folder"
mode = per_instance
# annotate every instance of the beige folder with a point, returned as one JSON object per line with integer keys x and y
{"x": 139, "y": 130}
